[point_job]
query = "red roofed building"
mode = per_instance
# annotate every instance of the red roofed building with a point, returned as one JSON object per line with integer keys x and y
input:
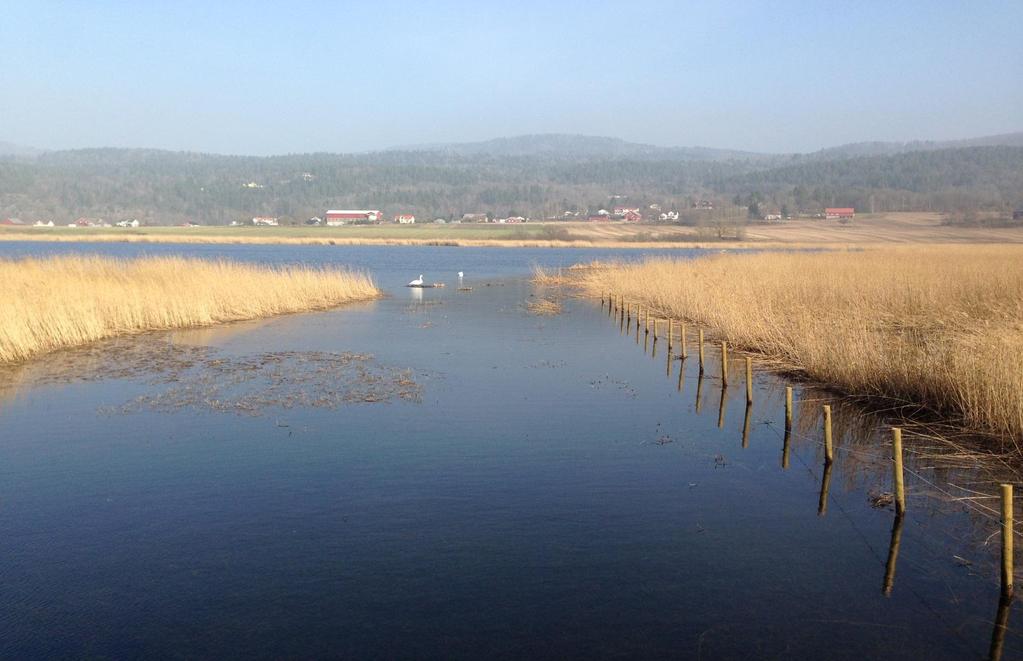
{"x": 837, "y": 213}
{"x": 631, "y": 216}
{"x": 336, "y": 217}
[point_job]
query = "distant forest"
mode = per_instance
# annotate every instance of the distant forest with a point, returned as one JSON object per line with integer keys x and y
{"x": 161, "y": 187}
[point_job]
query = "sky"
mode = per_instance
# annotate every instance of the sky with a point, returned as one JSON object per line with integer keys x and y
{"x": 289, "y": 77}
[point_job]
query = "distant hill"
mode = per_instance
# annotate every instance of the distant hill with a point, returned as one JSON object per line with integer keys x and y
{"x": 891, "y": 148}
{"x": 11, "y": 149}
{"x": 563, "y": 145}
{"x": 535, "y": 176}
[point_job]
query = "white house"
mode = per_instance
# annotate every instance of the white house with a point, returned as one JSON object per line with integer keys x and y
{"x": 39, "y": 223}
{"x": 128, "y": 223}
{"x": 405, "y": 219}
{"x": 267, "y": 221}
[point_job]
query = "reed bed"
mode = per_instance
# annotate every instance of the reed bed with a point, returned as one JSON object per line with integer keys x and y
{"x": 937, "y": 327}
{"x": 50, "y": 303}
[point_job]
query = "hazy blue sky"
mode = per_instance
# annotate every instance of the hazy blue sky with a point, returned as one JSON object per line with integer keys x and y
{"x": 260, "y": 78}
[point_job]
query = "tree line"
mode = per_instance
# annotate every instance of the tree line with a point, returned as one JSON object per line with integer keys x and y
{"x": 168, "y": 187}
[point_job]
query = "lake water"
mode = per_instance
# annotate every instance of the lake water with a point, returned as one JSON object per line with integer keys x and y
{"x": 442, "y": 474}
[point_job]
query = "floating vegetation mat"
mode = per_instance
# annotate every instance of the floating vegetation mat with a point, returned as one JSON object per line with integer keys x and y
{"x": 203, "y": 378}
{"x": 544, "y": 307}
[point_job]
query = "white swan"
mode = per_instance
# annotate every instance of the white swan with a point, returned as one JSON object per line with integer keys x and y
{"x": 418, "y": 281}
{"x": 460, "y": 274}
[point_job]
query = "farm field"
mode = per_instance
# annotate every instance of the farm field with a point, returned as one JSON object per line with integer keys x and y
{"x": 866, "y": 229}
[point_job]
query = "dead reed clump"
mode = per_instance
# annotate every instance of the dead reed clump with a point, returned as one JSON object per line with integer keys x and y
{"x": 939, "y": 327}
{"x": 56, "y": 302}
{"x": 544, "y": 307}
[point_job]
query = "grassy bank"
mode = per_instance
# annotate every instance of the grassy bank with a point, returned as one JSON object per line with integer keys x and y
{"x": 866, "y": 229}
{"x": 938, "y": 327}
{"x": 67, "y": 301}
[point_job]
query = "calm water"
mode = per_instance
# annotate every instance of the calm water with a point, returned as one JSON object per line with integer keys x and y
{"x": 477, "y": 482}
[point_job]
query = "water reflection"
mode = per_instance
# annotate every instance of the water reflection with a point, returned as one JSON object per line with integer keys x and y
{"x": 893, "y": 555}
{"x": 822, "y": 501}
{"x": 1001, "y": 627}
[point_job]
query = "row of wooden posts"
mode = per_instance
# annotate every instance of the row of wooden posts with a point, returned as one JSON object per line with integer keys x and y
{"x": 618, "y": 307}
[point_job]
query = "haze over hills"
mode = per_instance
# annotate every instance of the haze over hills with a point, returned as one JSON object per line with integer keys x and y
{"x": 566, "y": 145}
{"x": 538, "y": 176}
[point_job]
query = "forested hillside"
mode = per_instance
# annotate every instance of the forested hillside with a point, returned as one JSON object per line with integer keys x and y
{"x": 535, "y": 181}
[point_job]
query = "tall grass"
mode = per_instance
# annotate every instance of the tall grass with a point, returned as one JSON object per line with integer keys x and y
{"x": 938, "y": 327}
{"x": 67, "y": 301}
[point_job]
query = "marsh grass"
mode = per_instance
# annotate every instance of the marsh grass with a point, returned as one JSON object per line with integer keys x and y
{"x": 936, "y": 328}
{"x": 544, "y": 307}
{"x": 58, "y": 302}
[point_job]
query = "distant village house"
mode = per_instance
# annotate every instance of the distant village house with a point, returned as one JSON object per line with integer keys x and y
{"x": 337, "y": 217}
{"x": 839, "y": 213}
{"x": 405, "y": 219}
{"x": 266, "y": 221}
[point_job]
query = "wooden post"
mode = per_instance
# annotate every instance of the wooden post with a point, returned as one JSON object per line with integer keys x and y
{"x": 897, "y": 477}
{"x": 829, "y": 451}
{"x": 724, "y": 362}
{"x": 749, "y": 380}
{"x": 788, "y": 408}
{"x": 701, "y": 351}
{"x": 670, "y": 330}
{"x": 682, "y": 339}
{"x": 699, "y": 391}
{"x": 1007, "y": 540}
{"x": 785, "y": 448}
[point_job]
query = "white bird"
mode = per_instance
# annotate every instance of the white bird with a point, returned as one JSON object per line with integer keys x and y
{"x": 416, "y": 282}
{"x": 459, "y": 274}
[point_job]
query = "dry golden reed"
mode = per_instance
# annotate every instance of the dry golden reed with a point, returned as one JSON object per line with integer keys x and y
{"x": 56, "y": 302}
{"x": 937, "y": 326}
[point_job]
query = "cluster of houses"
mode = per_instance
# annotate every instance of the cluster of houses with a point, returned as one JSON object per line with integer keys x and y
{"x": 81, "y": 222}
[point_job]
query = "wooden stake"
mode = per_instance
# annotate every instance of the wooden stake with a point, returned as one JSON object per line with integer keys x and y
{"x": 724, "y": 362}
{"x": 682, "y": 340}
{"x": 829, "y": 451}
{"x": 897, "y": 478}
{"x": 749, "y": 380}
{"x": 1007, "y": 540}
{"x": 788, "y": 408}
{"x": 785, "y": 448}
{"x": 670, "y": 329}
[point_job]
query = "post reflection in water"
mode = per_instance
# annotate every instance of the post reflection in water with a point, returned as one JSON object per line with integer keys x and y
{"x": 893, "y": 556}
{"x": 822, "y": 504}
{"x": 1001, "y": 627}
{"x": 699, "y": 392}
{"x": 721, "y": 406}
{"x": 745, "y": 426}
{"x": 667, "y": 368}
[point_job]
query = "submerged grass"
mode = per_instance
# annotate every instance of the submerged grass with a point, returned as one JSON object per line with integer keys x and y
{"x": 933, "y": 327}
{"x": 60, "y": 302}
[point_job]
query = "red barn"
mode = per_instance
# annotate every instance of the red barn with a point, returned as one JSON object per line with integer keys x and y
{"x": 837, "y": 213}
{"x": 345, "y": 216}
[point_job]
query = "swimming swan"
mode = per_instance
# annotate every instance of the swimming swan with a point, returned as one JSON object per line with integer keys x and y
{"x": 417, "y": 282}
